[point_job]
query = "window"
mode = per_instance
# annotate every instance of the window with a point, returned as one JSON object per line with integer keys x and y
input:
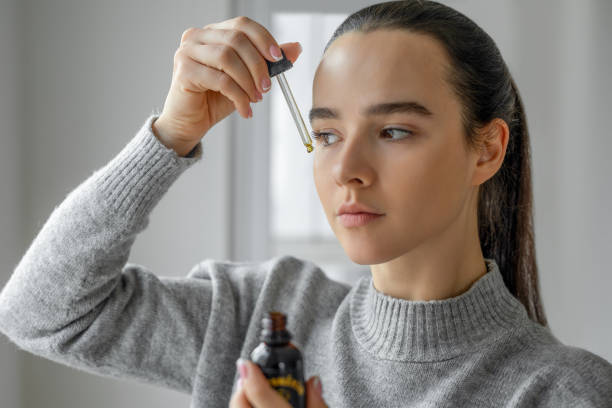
{"x": 298, "y": 225}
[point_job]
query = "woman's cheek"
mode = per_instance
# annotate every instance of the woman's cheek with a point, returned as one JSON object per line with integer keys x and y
{"x": 322, "y": 179}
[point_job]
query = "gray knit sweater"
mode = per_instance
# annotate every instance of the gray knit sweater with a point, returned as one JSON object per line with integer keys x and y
{"x": 73, "y": 298}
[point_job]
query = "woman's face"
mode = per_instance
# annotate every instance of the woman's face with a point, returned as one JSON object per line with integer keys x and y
{"x": 412, "y": 165}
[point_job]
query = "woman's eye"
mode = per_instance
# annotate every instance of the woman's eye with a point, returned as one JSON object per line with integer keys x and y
{"x": 396, "y": 134}
{"x": 402, "y": 133}
{"x": 322, "y": 136}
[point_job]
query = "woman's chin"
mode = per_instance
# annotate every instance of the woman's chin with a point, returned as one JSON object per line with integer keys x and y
{"x": 366, "y": 253}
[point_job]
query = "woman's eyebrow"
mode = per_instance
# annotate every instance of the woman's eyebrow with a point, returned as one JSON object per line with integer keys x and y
{"x": 378, "y": 109}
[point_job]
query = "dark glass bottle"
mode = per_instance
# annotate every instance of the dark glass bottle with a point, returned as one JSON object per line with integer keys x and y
{"x": 280, "y": 360}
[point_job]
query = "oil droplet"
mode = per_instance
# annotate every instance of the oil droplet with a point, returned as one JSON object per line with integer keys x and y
{"x": 309, "y": 148}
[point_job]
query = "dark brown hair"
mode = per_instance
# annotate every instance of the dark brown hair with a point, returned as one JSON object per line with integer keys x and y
{"x": 482, "y": 81}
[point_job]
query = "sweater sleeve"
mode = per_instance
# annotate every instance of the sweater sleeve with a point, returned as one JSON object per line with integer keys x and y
{"x": 74, "y": 299}
{"x": 566, "y": 376}
{"x": 586, "y": 381}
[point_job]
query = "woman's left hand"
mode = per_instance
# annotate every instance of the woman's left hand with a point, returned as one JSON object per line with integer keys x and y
{"x": 255, "y": 391}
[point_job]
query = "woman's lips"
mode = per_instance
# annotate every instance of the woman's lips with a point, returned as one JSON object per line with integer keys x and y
{"x": 357, "y": 219}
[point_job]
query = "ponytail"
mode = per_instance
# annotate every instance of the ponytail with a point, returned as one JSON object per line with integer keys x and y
{"x": 482, "y": 82}
{"x": 505, "y": 217}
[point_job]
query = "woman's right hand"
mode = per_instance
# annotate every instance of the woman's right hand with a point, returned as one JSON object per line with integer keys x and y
{"x": 217, "y": 69}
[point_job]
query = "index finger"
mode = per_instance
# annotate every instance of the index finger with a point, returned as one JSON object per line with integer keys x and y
{"x": 258, "y": 34}
{"x": 258, "y": 390}
{"x": 239, "y": 400}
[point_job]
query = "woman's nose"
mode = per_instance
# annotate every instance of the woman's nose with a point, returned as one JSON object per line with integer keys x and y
{"x": 353, "y": 165}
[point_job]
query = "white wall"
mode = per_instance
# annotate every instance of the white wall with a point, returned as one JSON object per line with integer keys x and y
{"x": 11, "y": 182}
{"x": 93, "y": 71}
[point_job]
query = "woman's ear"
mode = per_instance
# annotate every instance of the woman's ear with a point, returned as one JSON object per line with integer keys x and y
{"x": 493, "y": 139}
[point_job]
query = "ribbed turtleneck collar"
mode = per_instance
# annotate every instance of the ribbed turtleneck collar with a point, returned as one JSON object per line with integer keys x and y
{"x": 435, "y": 330}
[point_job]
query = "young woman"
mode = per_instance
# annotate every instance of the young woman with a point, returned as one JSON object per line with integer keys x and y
{"x": 422, "y": 165}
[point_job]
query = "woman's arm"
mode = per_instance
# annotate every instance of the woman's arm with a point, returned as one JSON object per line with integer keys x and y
{"x": 73, "y": 298}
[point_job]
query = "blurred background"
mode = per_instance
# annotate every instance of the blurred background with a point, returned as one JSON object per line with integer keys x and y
{"x": 78, "y": 79}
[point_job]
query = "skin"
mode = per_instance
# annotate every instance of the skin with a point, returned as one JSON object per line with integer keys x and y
{"x": 426, "y": 245}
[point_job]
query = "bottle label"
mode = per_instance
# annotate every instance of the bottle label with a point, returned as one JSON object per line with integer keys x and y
{"x": 288, "y": 383}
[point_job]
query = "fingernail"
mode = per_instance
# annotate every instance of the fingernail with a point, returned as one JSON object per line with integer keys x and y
{"x": 239, "y": 384}
{"x": 250, "y": 112}
{"x": 259, "y": 96}
{"x": 318, "y": 386}
{"x": 266, "y": 84}
{"x": 299, "y": 47}
{"x": 276, "y": 52}
{"x": 242, "y": 368}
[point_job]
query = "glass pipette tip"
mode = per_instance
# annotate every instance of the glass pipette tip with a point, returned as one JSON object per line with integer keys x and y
{"x": 295, "y": 112}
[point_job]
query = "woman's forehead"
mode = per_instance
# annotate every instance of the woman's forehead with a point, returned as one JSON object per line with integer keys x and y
{"x": 381, "y": 64}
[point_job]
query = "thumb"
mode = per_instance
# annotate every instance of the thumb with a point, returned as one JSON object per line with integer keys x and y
{"x": 314, "y": 393}
{"x": 292, "y": 50}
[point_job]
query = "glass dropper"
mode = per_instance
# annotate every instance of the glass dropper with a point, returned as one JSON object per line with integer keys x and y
{"x": 295, "y": 112}
{"x": 277, "y": 69}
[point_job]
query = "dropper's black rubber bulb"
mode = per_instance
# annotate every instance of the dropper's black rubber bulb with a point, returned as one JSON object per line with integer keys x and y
{"x": 275, "y": 68}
